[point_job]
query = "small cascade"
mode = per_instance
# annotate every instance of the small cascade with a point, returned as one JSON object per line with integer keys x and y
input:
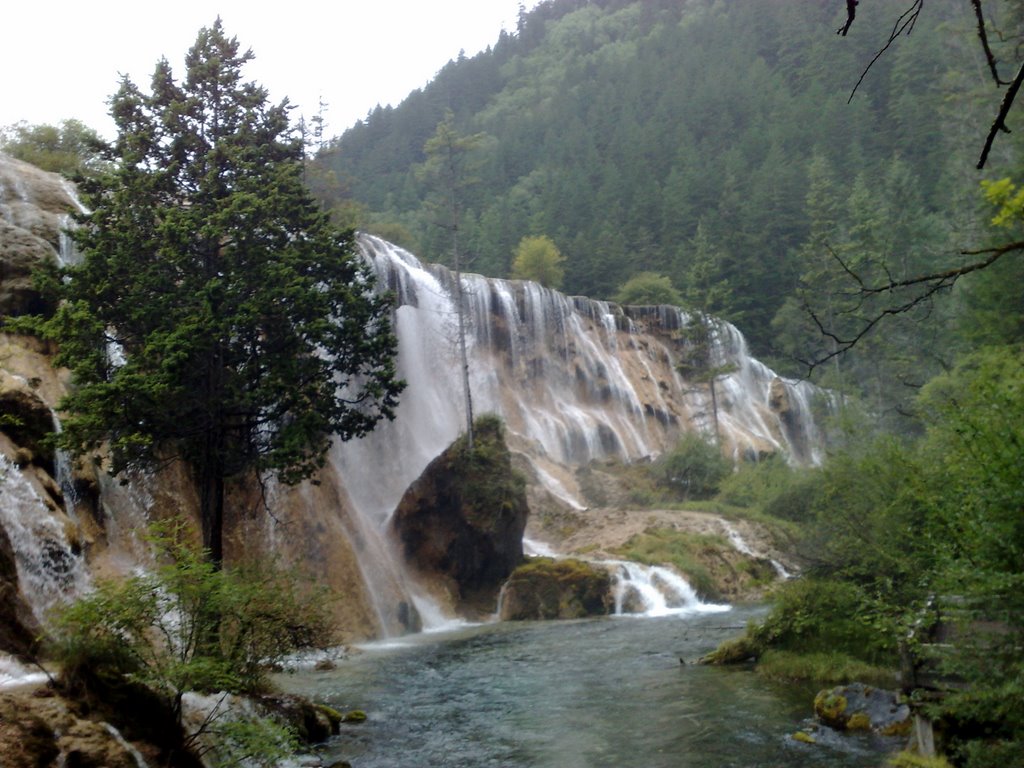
{"x": 49, "y": 571}
{"x": 14, "y": 674}
{"x": 64, "y": 475}
{"x": 127, "y": 746}
{"x": 639, "y": 590}
{"x": 650, "y": 590}
{"x": 740, "y": 545}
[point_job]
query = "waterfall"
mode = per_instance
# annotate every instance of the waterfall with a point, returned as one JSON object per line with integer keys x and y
{"x": 574, "y": 379}
{"x": 49, "y": 570}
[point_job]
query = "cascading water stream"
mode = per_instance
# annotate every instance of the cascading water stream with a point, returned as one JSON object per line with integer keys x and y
{"x": 49, "y": 571}
{"x": 740, "y": 545}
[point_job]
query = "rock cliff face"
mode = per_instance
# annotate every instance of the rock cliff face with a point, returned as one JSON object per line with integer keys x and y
{"x": 34, "y": 208}
{"x": 461, "y": 523}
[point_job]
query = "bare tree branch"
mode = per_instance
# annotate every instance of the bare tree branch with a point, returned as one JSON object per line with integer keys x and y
{"x": 851, "y": 14}
{"x": 904, "y": 25}
{"x": 999, "y": 124}
{"x": 927, "y": 284}
{"x": 983, "y": 36}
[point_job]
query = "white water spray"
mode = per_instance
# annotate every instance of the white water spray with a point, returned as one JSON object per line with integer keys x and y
{"x": 49, "y": 571}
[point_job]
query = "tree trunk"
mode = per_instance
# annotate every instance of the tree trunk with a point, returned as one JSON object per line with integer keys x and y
{"x": 714, "y": 410}
{"x": 211, "y": 509}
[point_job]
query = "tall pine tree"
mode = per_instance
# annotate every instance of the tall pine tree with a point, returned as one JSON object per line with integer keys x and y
{"x": 216, "y": 316}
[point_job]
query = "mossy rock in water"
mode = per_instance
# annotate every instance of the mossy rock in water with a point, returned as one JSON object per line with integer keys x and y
{"x": 355, "y": 716}
{"x": 804, "y": 737}
{"x": 863, "y": 707}
{"x": 334, "y": 717}
{"x": 545, "y": 588}
{"x": 830, "y": 707}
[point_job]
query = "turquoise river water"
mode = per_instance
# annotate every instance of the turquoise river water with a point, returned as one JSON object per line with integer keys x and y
{"x": 582, "y": 694}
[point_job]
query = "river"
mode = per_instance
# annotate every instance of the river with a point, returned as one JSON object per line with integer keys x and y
{"x": 582, "y": 694}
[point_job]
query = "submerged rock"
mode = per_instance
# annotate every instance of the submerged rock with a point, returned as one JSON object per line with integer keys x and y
{"x": 557, "y": 589}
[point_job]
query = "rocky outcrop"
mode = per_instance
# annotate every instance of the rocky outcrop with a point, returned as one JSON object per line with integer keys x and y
{"x": 556, "y": 589}
{"x": 461, "y": 523}
{"x": 18, "y": 627}
{"x": 34, "y": 208}
{"x": 26, "y": 419}
{"x": 42, "y": 730}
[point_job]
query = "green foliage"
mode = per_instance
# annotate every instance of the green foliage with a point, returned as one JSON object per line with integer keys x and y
{"x": 973, "y": 447}
{"x": 828, "y": 616}
{"x": 485, "y": 478}
{"x": 822, "y": 668}
{"x": 187, "y": 626}
{"x": 648, "y": 288}
{"x": 71, "y": 149}
{"x": 600, "y": 116}
{"x": 246, "y": 331}
{"x": 538, "y": 259}
{"x": 246, "y": 742}
{"x": 773, "y": 487}
{"x": 911, "y": 760}
{"x": 694, "y": 468}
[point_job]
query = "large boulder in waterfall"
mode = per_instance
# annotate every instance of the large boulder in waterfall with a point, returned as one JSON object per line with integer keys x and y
{"x": 545, "y": 588}
{"x": 34, "y": 208}
{"x": 462, "y": 520}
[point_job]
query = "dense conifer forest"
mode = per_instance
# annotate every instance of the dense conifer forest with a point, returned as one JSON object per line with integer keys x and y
{"x": 709, "y": 142}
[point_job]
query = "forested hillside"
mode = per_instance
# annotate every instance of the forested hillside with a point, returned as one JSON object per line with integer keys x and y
{"x": 708, "y": 142}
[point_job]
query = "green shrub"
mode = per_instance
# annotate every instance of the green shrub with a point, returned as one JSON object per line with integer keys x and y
{"x": 694, "y": 469}
{"x": 824, "y": 616}
{"x": 186, "y": 626}
{"x": 755, "y": 481}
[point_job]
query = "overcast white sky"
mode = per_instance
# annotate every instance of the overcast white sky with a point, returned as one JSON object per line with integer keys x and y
{"x": 62, "y": 59}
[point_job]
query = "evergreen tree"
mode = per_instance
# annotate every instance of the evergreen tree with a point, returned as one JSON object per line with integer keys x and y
{"x": 449, "y": 170}
{"x": 216, "y": 317}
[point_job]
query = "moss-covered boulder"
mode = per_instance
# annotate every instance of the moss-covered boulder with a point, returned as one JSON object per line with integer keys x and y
{"x": 859, "y": 707}
{"x": 546, "y": 588}
{"x": 462, "y": 521}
